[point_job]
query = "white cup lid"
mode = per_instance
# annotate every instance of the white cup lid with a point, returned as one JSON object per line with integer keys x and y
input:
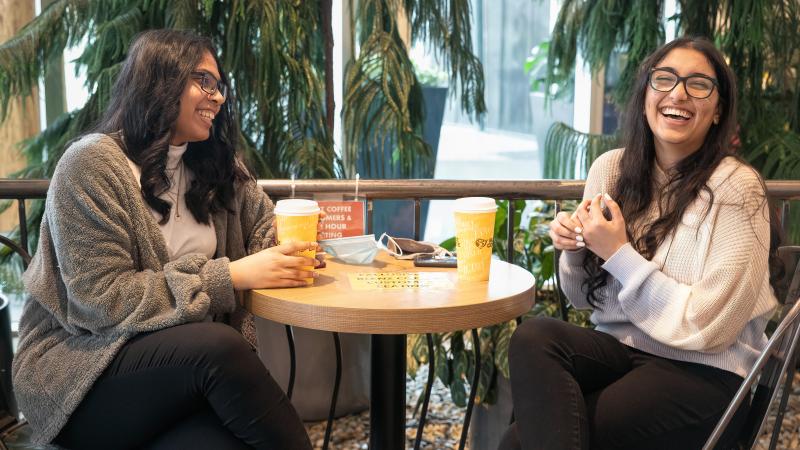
{"x": 475, "y": 204}
{"x": 296, "y": 207}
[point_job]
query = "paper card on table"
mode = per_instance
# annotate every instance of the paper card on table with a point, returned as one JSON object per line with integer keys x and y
{"x": 344, "y": 219}
{"x": 364, "y": 281}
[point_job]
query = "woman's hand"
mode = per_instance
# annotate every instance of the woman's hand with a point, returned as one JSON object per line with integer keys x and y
{"x": 602, "y": 236}
{"x": 274, "y": 267}
{"x": 565, "y": 231}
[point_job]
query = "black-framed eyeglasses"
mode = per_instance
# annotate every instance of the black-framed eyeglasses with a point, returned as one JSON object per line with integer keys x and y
{"x": 209, "y": 84}
{"x": 664, "y": 79}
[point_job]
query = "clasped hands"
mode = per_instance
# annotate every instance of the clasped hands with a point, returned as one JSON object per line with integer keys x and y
{"x": 588, "y": 227}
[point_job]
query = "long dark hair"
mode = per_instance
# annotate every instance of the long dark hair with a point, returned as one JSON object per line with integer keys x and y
{"x": 145, "y": 102}
{"x": 634, "y": 190}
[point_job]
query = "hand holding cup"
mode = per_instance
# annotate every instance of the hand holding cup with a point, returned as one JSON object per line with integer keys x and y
{"x": 297, "y": 220}
{"x": 275, "y": 267}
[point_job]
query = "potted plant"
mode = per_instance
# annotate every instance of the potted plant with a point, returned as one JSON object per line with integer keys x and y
{"x": 382, "y": 92}
{"x": 399, "y": 133}
{"x": 396, "y": 217}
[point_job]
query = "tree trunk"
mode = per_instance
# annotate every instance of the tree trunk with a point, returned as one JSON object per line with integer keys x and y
{"x": 23, "y": 115}
{"x": 326, "y": 21}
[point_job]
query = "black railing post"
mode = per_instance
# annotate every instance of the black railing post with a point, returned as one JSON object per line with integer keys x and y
{"x": 417, "y": 227}
{"x": 23, "y": 225}
{"x": 512, "y": 210}
{"x": 785, "y": 205}
{"x": 369, "y": 216}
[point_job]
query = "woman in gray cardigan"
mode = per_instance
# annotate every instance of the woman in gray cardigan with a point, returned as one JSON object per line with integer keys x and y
{"x": 151, "y": 226}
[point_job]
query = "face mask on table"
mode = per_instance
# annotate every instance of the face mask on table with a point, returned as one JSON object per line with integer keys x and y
{"x": 362, "y": 249}
{"x": 352, "y": 250}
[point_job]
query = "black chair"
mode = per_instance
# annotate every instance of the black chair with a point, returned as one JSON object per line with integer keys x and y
{"x": 769, "y": 383}
{"x": 15, "y": 433}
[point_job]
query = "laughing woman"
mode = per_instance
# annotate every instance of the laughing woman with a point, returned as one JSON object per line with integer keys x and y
{"x": 151, "y": 226}
{"x": 671, "y": 248}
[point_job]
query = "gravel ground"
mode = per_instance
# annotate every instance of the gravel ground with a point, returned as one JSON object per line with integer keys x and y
{"x": 443, "y": 427}
{"x": 790, "y": 429}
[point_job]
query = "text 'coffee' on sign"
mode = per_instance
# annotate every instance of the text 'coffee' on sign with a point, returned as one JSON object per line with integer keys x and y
{"x": 343, "y": 219}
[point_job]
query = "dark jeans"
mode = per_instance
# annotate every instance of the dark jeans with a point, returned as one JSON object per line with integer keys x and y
{"x": 577, "y": 388}
{"x": 198, "y": 386}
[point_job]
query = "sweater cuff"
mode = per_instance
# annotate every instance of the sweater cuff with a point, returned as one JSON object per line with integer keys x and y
{"x": 574, "y": 257}
{"x": 216, "y": 281}
{"x": 626, "y": 264}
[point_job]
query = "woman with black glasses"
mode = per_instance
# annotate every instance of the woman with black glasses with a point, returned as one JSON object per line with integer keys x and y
{"x": 133, "y": 336}
{"x": 671, "y": 248}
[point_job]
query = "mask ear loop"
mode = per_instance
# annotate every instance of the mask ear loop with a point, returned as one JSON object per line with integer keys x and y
{"x": 386, "y": 247}
{"x": 441, "y": 252}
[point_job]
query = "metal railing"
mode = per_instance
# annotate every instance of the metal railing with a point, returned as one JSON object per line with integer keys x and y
{"x": 415, "y": 190}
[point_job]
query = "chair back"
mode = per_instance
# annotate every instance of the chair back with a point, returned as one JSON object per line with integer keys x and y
{"x": 8, "y": 404}
{"x": 774, "y": 370}
{"x": 9, "y": 413}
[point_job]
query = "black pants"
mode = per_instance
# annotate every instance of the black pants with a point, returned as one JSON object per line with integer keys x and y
{"x": 193, "y": 386}
{"x": 577, "y": 388}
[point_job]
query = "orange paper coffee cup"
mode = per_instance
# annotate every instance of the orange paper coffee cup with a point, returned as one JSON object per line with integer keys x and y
{"x": 297, "y": 221}
{"x": 474, "y": 217}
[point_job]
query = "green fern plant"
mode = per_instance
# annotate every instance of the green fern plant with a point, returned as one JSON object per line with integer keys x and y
{"x": 761, "y": 40}
{"x": 279, "y": 58}
{"x": 278, "y": 54}
{"x": 264, "y": 45}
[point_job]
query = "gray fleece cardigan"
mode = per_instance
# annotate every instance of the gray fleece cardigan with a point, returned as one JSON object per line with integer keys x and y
{"x": 101, "y": 275}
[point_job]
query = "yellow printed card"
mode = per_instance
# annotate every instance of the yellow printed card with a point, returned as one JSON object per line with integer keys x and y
{"x": 365, "y": 281}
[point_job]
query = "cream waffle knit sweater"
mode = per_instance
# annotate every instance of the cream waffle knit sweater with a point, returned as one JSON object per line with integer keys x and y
{"x": 705, "y": 296}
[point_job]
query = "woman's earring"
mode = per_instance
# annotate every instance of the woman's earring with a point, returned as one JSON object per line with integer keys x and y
{"x": 716, "y": 120}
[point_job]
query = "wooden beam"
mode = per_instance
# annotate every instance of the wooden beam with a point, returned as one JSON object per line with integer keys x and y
{"x": 23, "y": 119}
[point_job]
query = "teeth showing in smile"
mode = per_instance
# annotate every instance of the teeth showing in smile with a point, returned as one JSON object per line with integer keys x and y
{"x": 676, "y": 113}
{"x": 206, "y": 114}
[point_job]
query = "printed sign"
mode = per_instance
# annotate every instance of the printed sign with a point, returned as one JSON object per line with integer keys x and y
{"x": 344, "y": 219}
{"x": 365, "y": 281}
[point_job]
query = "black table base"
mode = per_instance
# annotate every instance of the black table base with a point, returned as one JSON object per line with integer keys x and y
{"x": 388, "y": 393}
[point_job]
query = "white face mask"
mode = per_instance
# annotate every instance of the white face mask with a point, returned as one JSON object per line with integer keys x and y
{"x": 359, "y": 250}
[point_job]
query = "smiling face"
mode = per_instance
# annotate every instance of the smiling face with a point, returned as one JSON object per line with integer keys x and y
{"x": 197, "y": 108}
{"x": 678, "y": 121}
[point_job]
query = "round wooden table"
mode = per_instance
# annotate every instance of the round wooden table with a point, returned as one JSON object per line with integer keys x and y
{"x": 389, "y": 299}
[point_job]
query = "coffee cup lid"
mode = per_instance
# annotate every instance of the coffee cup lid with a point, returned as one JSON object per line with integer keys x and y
{"x": 296, "y": 207}
{"x": 475, "y": 204}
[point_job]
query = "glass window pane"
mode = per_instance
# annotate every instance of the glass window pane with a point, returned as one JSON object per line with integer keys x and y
{"x": 507, "y": 143}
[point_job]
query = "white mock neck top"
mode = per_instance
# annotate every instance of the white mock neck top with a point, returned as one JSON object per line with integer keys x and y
{"x": 182, "y": 233}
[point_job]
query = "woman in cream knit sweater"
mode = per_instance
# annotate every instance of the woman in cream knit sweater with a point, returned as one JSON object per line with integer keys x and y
{"x": 670, "y": 248}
